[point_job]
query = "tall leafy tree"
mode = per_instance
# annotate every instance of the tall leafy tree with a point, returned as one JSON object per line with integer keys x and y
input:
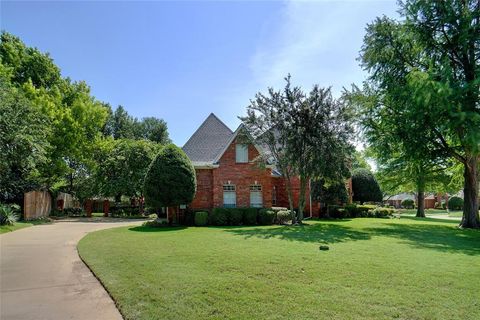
{"x": 122, "y": 166}
{"x": 319, "y": 140}
{"x": 153, "y": 129}
{"x": 425, "y": 71}
{"x": 24, "y": 132}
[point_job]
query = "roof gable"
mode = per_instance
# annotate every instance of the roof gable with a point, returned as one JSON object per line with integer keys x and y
{"x": 208, "y": 141}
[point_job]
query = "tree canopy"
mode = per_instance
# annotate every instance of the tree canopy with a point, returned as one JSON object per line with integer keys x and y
{"x": 423, "y": 88}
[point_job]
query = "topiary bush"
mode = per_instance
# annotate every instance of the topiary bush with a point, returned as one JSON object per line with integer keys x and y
{"x": 283, "y": 216}
{"x": 201, "y": 218}
{"x": 408, "y": 204}
{"x": 189, "y": 217}
{"x": 170, "y": 179}
{"x": 250, "y": 216}
{"x": 455, "y": 203}
{"x": 219, "y": 216}
{"x": 365, "y": 186}
{"x": 266, "y": 217}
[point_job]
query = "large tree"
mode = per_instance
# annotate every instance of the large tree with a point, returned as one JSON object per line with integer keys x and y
{"x": 425, "y": 71}
{"x": 122, "y": 166}
{"x": 306, "y": 135}
{"x": 319, "y": 145}
{"x": 23, "y": 142}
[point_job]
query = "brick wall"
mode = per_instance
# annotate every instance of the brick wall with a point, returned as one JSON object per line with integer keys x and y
{"x": 242, "y": 175}
{"x": 204, "y": 197}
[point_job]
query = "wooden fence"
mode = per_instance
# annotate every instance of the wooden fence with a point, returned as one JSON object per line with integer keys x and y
{"x": 37, "y": 204}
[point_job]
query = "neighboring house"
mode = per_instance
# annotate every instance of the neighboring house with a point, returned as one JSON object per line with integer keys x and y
{"x": 397, "y": 199}
{"x": 229, "y": 176}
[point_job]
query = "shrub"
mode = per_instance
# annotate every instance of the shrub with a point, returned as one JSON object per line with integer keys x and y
{"x": 156, "y": 223}
{"x": 337, "y": 212}
{"x": 250, "y": 216}
{"x": 235, "y": 216}
{"x": 201, "y": 218}
{"x": 219, "y": 217}
{"x": 408, "y": 204}
{"x": 170, "y": 179}
{"x": 283, "y": 216}
{"x": 8, "y": 216}
{"x": 266, "y": 216}
{"x": 381, "y": 212}
{"x": 73, "y": 211}
{"x": 455, "y": 203}
{"x": 189, "y": 218}
{"x": 365, "y": 186}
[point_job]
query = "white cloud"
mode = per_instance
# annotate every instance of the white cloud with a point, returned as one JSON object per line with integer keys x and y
{"x": 317, "y": 42}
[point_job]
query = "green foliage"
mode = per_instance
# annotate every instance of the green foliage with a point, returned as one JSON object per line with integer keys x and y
{"x": 122, "y": 166}
{"x": 219, "y": 216}
{"x": 8, "y": 215}
{"x": 421, "y": 99}
{"x": 334, "y": 193}
{"x": 455, "y": 203}
{"x": 266, "y": 217}
{"x": 250, "y": 216}
{"x": 365, "y": 186}
{"x": 24, "y": 143}
{"x": 283, "y": 216}
{"x": 408, "y": 204}
{"x": 381, "y": 212}
{"x": 235, "y": 216}
{"x": 170, "y": 179}
{"x": 201, "y": 218}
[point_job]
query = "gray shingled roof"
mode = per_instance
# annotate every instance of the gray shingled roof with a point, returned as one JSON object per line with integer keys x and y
{"x": 208, "y": 141}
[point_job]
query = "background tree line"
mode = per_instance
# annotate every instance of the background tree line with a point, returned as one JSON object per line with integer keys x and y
{"x": 55, "y": 135}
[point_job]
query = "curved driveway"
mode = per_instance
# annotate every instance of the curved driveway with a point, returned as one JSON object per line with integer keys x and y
{"x": 42, "y": 276}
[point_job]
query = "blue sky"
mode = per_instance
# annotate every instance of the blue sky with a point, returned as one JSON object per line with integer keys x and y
{"x": 182, "y": 60}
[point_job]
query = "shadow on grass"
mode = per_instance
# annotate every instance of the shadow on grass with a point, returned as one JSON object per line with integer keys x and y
{"x": 317, "y": 233}
{"x": 156, "y": 229}
{"x": 445, "y": 238}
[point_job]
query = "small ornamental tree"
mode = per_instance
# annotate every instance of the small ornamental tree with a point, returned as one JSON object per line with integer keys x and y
{"x": 365, "y": 186}
{"x": 170, "y": 179}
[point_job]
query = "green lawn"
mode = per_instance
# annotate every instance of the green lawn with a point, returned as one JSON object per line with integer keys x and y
{"x": 456, "y": 214}
{"x": 376, "y": 268}
{"x": 20, "y": 225}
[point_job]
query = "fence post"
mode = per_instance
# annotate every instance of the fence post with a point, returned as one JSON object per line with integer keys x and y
{"x": 88, "y": 207}
{"x": 106, "y": 208}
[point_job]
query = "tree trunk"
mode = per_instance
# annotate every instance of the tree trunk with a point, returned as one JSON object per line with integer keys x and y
{"x": 302, "y": 199}
{"x": 420, "y": 198}
{"x": 420, "y": 204}
{"x": 288, "y": 186}
{"x": 470, "y": 217}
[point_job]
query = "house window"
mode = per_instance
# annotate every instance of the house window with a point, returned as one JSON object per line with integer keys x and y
{"x": 256, "y": 200}
{"x": 241, "y": 152}
{"x": 229, "y": 196}
{"x": 274, "y": 196}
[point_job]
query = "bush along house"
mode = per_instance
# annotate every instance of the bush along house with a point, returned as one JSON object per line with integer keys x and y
{"x": 228, "y": 175}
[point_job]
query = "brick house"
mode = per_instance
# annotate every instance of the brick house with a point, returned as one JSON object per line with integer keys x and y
{"x": 228, "y": 176}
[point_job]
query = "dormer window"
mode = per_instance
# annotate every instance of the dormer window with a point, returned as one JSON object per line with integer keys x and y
{"x": 241, "y": 151}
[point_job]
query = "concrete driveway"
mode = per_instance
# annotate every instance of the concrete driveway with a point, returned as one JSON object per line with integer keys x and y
{"x": 42, "y": 276}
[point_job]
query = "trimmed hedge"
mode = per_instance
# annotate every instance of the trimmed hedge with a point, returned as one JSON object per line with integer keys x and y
{"x": 250, "y": 216}
{"x": 283, "y": 216}
{"x": 455, "y": 203}
{"x": 362, "y": 211}
{"x": 201, "y": 218}
{"x": 408, "y": 204}
{"x": 266, "y": 217}
{"x": 235, "y": 217}
{"x": 219, "y": 217}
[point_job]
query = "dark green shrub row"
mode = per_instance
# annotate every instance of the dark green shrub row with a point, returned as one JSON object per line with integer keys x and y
{"x": 408, "y": 204}
{"x": 358, "y": 211}
{"x": 237, "y": 216}
{"x": 455, "y": 203}
{"x": 124, "y": 211}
